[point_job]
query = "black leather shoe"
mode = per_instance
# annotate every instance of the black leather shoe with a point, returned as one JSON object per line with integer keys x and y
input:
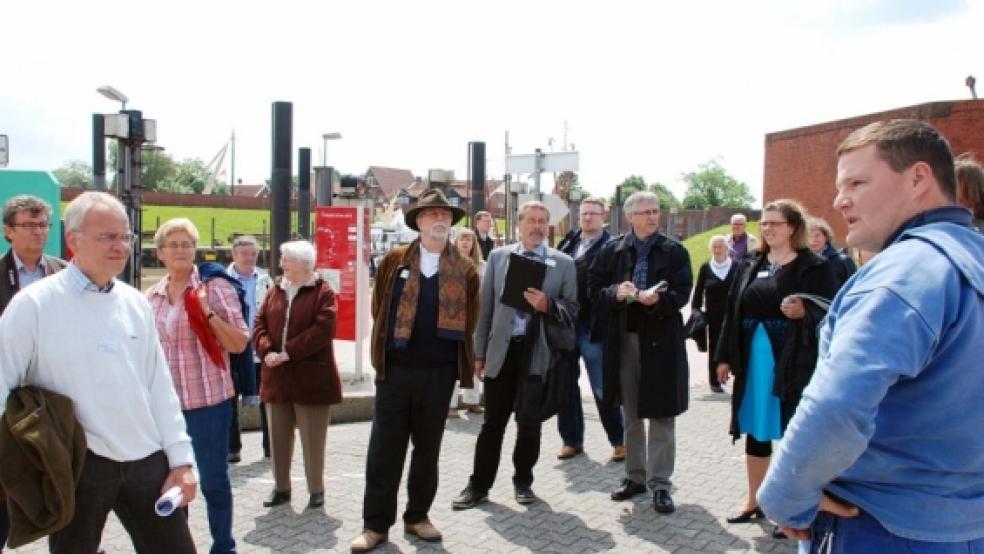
{"x": 317, "y": 500}
{"x": 235, "y": 457}
{"x": 629, "y": 489}
{"x": 277, "y": 498}
{"x": 469, "y": 498}
{"x": 524, "y": 495}
{"x": 663, "y": 503}
{"x": 746, "y": 516}
{"x": 717, "y": 388}
{"x": 777, "y": 533}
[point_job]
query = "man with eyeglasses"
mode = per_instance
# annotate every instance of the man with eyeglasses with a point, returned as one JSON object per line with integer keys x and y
{"x": 583, "y": 245}
{"x": 85, "y": 335}
{"x": 639, "y": 283}
{"x": 26, "y": 221}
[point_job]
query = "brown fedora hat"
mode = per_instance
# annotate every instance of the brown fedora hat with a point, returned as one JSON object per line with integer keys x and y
{"x": 432, "y": 198}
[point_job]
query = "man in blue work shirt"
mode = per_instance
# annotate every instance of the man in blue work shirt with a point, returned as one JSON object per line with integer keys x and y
{"x": 885, "y": 452}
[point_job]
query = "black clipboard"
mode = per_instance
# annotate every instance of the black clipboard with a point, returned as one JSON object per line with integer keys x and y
{"x": 523, "y": 273}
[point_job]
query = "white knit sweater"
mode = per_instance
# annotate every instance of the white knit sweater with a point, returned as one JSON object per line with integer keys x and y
{"x": 102, "y": 351}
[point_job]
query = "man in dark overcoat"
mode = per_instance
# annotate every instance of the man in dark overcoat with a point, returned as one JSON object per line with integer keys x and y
{"x": 640, "y": 282}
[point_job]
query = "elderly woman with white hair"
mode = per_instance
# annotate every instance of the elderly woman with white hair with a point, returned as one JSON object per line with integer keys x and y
{"x": 293, "y": 336}
{"x": 199, "y": 324}
{"x": 710, "y": 296}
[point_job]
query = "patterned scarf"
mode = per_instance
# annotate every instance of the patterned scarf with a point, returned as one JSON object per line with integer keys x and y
{"x": 641, "y": 269}
{"x": 452, "y": 299}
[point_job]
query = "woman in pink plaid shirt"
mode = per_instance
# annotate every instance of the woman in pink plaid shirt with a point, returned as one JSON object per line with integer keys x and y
{"x": 199, "y": 325}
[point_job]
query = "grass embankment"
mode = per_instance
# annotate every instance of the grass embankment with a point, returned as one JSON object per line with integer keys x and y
{"x": 697, "y": 244}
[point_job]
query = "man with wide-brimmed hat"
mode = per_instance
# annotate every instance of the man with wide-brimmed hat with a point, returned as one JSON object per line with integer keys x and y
{"x": 424, "y": 310}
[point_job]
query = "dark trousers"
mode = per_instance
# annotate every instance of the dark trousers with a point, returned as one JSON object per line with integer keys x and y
{"x": 500, "y": 398}
{"x": 264, "y": 429}
{"x": 235, "y": 438}
{"x": 208, "y": 428}
{"x": 129, "y": 489}
{"x": 4, "y": 524}
{"x": 713, "y": 334}
{"x": 411, "y": 405}
{"x": 570, "y": 418}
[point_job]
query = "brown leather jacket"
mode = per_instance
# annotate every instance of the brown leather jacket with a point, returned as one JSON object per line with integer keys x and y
{"x": 395, "y": 260}
{"x": 310, "y": 376}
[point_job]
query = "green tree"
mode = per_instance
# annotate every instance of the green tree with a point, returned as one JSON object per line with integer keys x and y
{"x": 635, "y": 183}
{"x": 711, "y": 186}
{"x": 191, "y": 175}
{"x": 74, "y": 173}
{"x": 159, "y": 171}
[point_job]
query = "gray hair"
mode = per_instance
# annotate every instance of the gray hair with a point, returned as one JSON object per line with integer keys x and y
{"x": 24, "y": 203}
{"x": 739, "y": 218}
{"x": 637, "y": 198}
{"x": 178, "y": 224}
{"x": 531, "y": 205}
{"x": 245, "y": 240}
{"x": 299, "y": 250}
{"x": 717, "y": 238}
{"x": 77, "y": 209}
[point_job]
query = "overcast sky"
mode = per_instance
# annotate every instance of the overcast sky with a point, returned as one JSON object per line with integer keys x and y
{"x": 647, "y": 88}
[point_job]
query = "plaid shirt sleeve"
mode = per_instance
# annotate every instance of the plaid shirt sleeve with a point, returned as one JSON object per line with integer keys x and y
{"x": 224, "y": 301}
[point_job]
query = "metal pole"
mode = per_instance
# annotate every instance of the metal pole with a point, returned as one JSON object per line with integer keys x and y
{"x": 304, "y": 192}
{"x": 232, "y": 164}
{"x": 280, "y": 174}
{"x": 98, "y": 152}
{"x": 537, "y": 161}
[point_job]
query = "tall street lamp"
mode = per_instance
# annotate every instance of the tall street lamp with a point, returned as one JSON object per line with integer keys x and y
{"x": 324, "y": 152}
{"x": 113, "y": 94}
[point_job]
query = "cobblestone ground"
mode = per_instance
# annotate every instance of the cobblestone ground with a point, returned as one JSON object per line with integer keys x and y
{"x": 575, "y": 514}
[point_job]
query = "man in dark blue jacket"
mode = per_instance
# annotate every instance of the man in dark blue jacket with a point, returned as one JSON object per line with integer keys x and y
{"x": 583, "y": 245}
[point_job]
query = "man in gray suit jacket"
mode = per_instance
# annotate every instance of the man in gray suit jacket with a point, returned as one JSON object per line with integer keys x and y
{"x": 503, "y": 344}
{"x": 26, "y": 222}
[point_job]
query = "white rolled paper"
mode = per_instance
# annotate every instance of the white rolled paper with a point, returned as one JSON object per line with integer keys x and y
{"x": 168, "y": 502}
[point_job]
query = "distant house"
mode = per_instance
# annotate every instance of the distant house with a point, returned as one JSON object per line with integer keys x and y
{"x": 385, "y": 182}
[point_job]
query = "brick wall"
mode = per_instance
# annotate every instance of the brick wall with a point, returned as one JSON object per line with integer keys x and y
{"x": 801, "y": 164}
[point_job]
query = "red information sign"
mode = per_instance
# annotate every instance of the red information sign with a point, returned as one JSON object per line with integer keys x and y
{"x": 337, "y": 242}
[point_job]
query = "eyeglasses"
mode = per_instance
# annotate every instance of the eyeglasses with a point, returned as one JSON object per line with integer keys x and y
{"x": 647, "y": 213}
{"x": 111, "y": 238}
{"x": 31, "y": 226}
{"x": 772, "y": 223}
{"x": 178, "y": 245}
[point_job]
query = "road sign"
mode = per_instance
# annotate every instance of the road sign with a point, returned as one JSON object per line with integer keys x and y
{"x": 4, "y": 151}
{"x": 550, "y": 162}
{"x": 558, "y": 208}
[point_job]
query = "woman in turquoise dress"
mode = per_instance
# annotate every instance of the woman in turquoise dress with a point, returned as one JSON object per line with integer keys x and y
{"x": 755, "y": 345}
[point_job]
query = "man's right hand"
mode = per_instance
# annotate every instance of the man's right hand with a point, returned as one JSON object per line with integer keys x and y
{"x": 625, "y": 290}
{"x": 185, "y": 478}
{"x": 480, "y": 370}
{"x": 723, "y": 370}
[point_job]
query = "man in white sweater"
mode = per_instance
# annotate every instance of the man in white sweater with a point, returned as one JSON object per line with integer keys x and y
{"x": 83, "y": 334}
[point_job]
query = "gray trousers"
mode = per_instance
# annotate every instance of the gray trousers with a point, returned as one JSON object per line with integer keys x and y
{"x": 648, "y": 462}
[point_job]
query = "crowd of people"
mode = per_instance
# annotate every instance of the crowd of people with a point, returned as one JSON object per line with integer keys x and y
{"x": 853, "y": 387}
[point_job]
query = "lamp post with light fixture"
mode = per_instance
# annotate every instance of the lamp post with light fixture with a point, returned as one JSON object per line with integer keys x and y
{"x": 132, "y": 132}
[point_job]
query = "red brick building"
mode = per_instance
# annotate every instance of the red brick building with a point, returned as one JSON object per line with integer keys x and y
{"x": 801, "y": 163}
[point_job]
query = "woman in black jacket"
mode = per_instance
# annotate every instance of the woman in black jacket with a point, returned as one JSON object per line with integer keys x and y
{"x": 822, "y": 244}
{"x": 710, "y": 296}
{"x": 764, "y": 340}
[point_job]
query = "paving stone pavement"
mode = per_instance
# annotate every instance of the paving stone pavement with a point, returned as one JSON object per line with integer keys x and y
{"x": 575, "y": 514}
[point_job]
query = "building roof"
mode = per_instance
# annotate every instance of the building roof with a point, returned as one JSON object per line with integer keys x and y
{"x": 390, "y": 180}
{"x": 252, "y": 191}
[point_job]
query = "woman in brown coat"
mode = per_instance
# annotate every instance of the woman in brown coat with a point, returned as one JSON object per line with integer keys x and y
{"x": 294, "y": 332}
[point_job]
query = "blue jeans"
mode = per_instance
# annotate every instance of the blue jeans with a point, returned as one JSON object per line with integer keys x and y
{"x": 570, "y": 419}
{"x": 209, "y": 431}
{"x": 864, "y": 534}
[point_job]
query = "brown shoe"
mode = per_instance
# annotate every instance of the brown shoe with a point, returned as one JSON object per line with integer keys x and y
{"x": 568, "y": 452}
{"x": 368, "y": 540}
{"x": 424, "y": 530}
{"x": 618, "y": 454}
{"x": 453, "y": 414}
{"x": 475, "y": 409}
